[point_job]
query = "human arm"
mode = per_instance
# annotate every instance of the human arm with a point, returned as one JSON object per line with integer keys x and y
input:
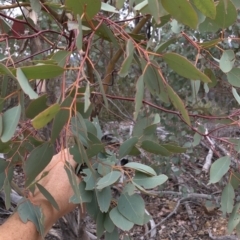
{"x": 57, "y": 183}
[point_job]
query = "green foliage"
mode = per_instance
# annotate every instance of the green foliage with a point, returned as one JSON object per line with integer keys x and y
{"x": 29, "y": 212}
{"x": 169, "y": 64}
{"x": 227, "y": 199}
{"x": 219, "y": 168}
{"x": 37, "y": 161}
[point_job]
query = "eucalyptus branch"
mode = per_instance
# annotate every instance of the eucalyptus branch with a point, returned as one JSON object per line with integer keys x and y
{"x": 113, "y": 61}
{"x": 166, "y": 110}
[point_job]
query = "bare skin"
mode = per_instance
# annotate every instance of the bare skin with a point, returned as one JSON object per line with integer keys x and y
{"x": 57, "y": 183}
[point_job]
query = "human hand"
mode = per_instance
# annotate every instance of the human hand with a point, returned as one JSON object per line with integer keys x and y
{"x": 57, "y": 183}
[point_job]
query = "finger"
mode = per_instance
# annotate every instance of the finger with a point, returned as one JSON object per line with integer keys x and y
{"x": 62, "y": 156}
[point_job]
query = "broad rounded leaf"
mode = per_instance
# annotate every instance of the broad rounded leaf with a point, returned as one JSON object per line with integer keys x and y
{"x": 149, "y": 182}
{"x": 219, "y": 168}
{"x": 227, "y": 61}
{"x": 119, "y": 220}
{"x": 108, "y": 179}
{"x": 207, "y": 7}
{"x": 227, "y": 199}
{"x": 43, "y": 118}
{"x": 182, "y": 11}
{"x": 233, "y": 77}
{"x": 104, "y": 198}
{"x": 89, "y": 7}
{"x": 29, "y": 212}
{"x": 10, "y": 121}
{"x": 226, "y": 14}
{"x": 132, "y": 207}
{"x": 24, "y": 84}
{"x": 127, "y": 146}
{"x": 184, "y": 67}
{"x": 141, "y": 168}
{"x": 38, "y": 159}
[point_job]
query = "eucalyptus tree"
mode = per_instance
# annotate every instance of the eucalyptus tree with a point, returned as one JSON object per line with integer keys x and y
{"x": 63, "y": 64}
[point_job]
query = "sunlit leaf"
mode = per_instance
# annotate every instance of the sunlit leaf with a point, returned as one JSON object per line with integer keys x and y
{"x": 43, "y": 118}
